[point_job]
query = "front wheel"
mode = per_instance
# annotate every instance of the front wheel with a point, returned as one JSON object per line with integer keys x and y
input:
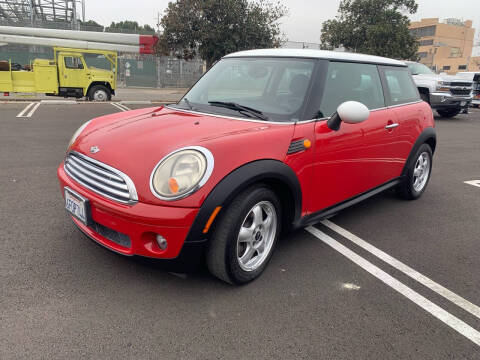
{"x": 448, "y": 113}
{"x": 417, "y": 175}
{"x": 99, "y": 93}
{"x": 245, "y": 237}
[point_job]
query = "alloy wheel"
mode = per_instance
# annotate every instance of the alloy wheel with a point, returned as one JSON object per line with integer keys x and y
{"x": 256, "y": 236}
{"x": 421, "y": 171}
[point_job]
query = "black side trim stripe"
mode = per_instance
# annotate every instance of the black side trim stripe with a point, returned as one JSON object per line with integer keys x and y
{"x": 330, "y": 211}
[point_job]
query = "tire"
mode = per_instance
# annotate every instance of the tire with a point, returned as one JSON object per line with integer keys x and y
{"x": 99, "y": 93}
{"x": 475, "y": 106}
{"x": 417, "y": 175}
{"x": 260, "y": 230}
{"x": 449, "y": 113}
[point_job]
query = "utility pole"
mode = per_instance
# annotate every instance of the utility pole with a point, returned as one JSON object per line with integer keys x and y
{"x": 32, "y": 15}
{"x": 83, "y": 11}
{"x": 158, "y": 23}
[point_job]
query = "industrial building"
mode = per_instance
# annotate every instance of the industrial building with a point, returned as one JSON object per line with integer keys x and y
{"x": 446, "y": 46}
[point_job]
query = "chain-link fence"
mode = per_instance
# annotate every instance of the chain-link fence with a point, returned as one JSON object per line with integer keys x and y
{"x": 133, "y": 70}
{"x": 300, "y": 45}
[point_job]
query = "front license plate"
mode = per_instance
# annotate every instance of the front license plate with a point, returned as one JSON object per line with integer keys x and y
{"x": 77, "y": 205}
{"x": 463, "y": 103}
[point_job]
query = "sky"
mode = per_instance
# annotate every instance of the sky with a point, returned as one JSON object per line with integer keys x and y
{"x": 302, "y": 24}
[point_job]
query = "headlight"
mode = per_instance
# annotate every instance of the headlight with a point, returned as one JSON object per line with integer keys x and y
{"x": 181, "y": 173}
{"x": 77, "y": 133}
{"x": 443, "y": 85}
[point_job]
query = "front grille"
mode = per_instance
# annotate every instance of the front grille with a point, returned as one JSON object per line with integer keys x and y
{"x": 460, "y": 91}
{"x": 100, "y": 178}
{"x": 112, "y": 235}
{"x": 459, "y": 83}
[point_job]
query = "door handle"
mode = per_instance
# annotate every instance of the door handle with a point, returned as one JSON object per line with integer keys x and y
{"x": 391, "y": 126}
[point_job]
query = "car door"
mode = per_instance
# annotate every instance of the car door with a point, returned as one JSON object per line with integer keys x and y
{"x": 351, "y": 160}
{"x": 405, "y": 114}
{"x": 72, "y": 71}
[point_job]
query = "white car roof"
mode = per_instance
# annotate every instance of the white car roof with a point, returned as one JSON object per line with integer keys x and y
{"x": 318, "y": 54}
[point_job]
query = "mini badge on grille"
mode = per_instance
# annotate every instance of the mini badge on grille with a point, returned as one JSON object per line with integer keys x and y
{"x": 94, "y": 149}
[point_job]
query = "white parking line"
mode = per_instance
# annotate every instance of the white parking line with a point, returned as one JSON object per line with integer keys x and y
{"x": 120, "y": 106}
{"x": 33, "y": 110}
{"x": 444, "y": 316}
{"x": 22, "y": 113}
{"x": 123, "y": 106}
{"x": 473, "y": 182}
{"x": 407, "y": 270}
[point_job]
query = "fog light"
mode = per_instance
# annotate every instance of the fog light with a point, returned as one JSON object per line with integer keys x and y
{"x": 162, "y": 242}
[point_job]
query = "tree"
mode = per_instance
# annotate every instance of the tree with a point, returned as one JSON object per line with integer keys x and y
{"x": 130, "y": 27}
{"x": 214, "y": 28}
{"x": 377, "y": 27}
{"x": 91, "y": 25}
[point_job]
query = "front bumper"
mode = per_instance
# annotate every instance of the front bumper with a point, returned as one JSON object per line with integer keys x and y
{"x": 131, "y": 230}
{"x": 439, "y": 100}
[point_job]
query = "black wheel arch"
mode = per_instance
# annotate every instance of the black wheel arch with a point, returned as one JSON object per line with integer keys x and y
{"x": 103, "y": 83}
{"x": 427, "y": 136}
{"x": 272, "y": 173}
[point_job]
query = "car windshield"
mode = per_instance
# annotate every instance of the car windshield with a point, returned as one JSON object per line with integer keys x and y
{"x": 419, "y": 69}
{"x": 257, "y": 88}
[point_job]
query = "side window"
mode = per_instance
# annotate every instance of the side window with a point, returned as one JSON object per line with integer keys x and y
{"x": 400, "y": 87}
{"x": 72, "y": 62}
{"x": 351, "y": 81}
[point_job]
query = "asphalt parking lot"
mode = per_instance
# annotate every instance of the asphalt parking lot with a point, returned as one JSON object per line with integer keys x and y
{"x": 386, "y": 279}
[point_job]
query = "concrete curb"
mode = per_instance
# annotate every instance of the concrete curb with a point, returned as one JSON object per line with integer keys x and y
{"x": 58, "y": 102}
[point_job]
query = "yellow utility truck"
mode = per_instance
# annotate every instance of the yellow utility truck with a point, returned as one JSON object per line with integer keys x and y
{"x": 67, "y": 75}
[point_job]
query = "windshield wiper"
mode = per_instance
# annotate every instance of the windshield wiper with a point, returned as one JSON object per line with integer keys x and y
{"x": 241, "y": 108}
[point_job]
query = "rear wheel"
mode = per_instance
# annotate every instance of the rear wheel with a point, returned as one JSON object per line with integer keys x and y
{"x": 99, "y": 93}
{"x": 449, "y": 113}
{"x": 417, "y": 175}
{"x": 245, "y": 237}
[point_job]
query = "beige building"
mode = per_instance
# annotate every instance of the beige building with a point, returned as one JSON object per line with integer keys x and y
{"x": 446, "y": 46}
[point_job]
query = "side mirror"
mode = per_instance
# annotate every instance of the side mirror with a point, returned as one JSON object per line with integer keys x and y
{"x": 350, "y": 112}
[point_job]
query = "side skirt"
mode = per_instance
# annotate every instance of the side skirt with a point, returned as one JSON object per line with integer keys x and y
{"x": 332, "y": 210}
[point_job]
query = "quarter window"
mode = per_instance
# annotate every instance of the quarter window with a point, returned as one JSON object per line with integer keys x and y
{"x": 351, "y": 81}
{"x": 400, "y": 86}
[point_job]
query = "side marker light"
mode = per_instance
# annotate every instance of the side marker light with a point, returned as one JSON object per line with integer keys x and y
{"x": 211, "y": 218}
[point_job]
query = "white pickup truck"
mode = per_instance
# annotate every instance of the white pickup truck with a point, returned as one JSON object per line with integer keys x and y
{"x": 447, "y": 94}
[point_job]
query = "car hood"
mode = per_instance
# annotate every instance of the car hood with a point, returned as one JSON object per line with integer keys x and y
{"x": 440, "y": 77}
{"x": 135, "y": 141}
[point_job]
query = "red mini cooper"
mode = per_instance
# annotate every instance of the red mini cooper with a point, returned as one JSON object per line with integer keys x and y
{"x": 266, "y": 141}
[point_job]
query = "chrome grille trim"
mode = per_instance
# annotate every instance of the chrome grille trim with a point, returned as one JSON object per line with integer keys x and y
{"x": 100, "y": 178}
{"x": 459, "y": 83}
